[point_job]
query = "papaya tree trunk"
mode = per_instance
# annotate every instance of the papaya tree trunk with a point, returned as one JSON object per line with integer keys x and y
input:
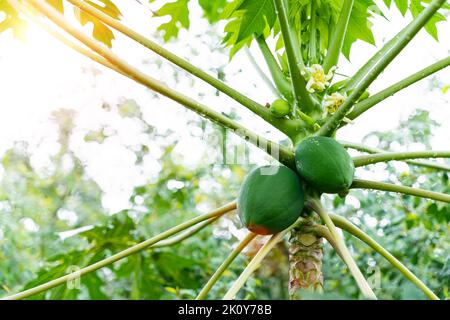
{"x": 305, "y": 261}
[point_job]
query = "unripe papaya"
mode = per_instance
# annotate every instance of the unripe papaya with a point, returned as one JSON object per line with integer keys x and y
{"x": 280, "y": 108}
{"x": 270, "y": 200}
{"x": 324, "y": 164}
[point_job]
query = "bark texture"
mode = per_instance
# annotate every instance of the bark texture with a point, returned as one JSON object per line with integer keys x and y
{"x": 305, "y": 261}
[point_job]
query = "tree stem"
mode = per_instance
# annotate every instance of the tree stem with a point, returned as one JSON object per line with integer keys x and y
{"x": 184, "y": 235}
{"x": 338, "y": 37}
{"x": 368, "y": 103}
{"x": 31, "y": 14}
{"x": 185, "y": 65}
{"x": 254, "y": 263}
{"x": 378, "y": 64}
{"x": 405, "y": 155}
{"x": 123, "y": 254}
{"x": 364, "y": 148}
{"x": 280, "y": 153}
{"x": 315, "y": 205}
{"x": 313, "y": 35}
{"x": 305, "y": 259}
{"x": 302, "y": 96}
{"x": 397, "y": 43}
{"x": 261, "y": 73}
{"x": 323, "y": 232}
{"x": 346, "y": 225}
{"x": 278, "y": 77}
{"x": 224, "y": 266}
{"x": 383, "y": 186}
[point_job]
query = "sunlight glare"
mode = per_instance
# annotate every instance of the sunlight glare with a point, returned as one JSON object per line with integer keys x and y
{"x": 33, "y": 72}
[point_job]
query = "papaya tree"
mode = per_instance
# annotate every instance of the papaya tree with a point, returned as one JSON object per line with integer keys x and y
{"x": 312, "y": 105}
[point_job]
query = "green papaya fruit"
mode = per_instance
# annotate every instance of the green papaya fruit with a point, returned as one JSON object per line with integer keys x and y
{"x": 270, "y": 200}
{"x": 280, "y": 108}
{"x": 324, "y": 164}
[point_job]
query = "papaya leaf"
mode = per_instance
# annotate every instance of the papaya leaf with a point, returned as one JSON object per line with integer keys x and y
{"x": 9, "y": 19}
{"x": 402, "y": 5}
{"x": 180, "y": 271}
{"x": 230, "y": 8}
{"x": 212, "y": 9}
{"x": 179, "y": 18}
{"x": 256, "y": 15}
{"x": 359, "y": 26}
{"x": 101, "y": 32}
{"x": 416, "y": 7}
{"x": 57, "y": 4}
{"x": 248, "y": 17}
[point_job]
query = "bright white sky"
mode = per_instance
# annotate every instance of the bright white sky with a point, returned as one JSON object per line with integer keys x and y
{"x": 41, "y": 75}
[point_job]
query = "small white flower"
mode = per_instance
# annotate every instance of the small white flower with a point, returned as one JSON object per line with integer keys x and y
{"x": 317, "y": 79}
{"x": 334, "y": 101}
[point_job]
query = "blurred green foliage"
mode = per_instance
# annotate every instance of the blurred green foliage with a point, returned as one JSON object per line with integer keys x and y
{"x": 414, "y": 230}
{"x": 35, "y": 246}
{"x": 52, "y": 220}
